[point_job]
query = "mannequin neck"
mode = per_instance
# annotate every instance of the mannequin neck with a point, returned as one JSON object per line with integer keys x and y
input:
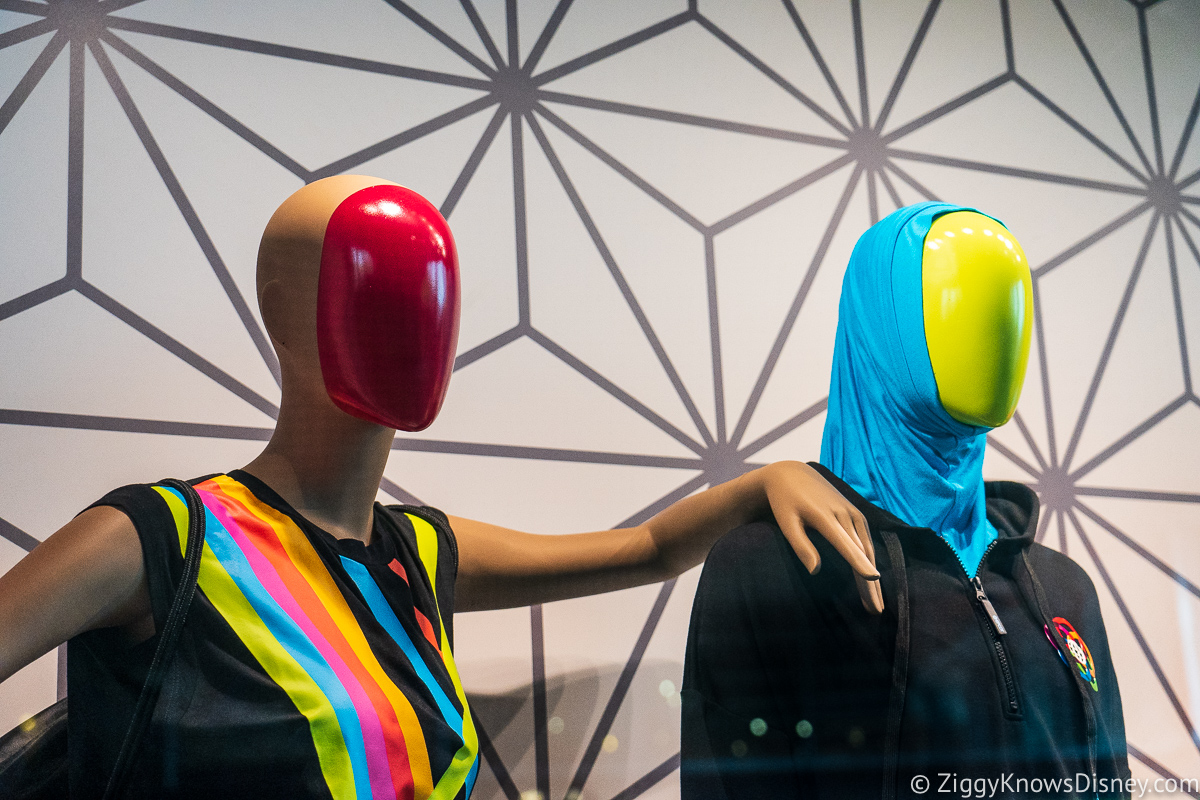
{"x": 325, "y": 463}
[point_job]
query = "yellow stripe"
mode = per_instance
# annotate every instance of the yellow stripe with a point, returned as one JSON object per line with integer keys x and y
{"x": 302, "y": 554}
{"x": 460, "y": 768}
{"x": 219, "y": 587}
{"x": 427, "y": 550}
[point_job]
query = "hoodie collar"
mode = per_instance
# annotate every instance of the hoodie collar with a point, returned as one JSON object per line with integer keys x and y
{"x": 1012, "y": 508}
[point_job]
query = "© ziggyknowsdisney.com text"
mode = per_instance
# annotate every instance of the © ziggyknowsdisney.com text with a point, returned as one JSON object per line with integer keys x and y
{"x": 951, "y": 783}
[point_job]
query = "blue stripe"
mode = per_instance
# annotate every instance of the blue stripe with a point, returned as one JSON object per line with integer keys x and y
{"x": 391, "y": 623}
{"x": 472, "y": 775}
{"x": 289, "y": 634}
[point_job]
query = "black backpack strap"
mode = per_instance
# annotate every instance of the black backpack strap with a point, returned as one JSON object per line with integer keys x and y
{"x": 167, "y": 642}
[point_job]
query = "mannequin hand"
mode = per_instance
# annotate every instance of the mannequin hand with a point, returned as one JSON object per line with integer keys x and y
{"x": 502, "y": 568}
{"x": 800, "y": 498}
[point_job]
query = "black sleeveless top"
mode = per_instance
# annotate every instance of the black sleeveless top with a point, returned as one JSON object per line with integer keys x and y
{"x": 309, "y": 666}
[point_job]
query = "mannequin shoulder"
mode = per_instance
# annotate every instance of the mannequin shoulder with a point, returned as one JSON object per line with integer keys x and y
{"x": 1058, "y": 571}
{"x": 749, "y": 565}
{"x": 748, "y": 546}
{"x": 89, "y": 574}
{"x": 98, "y": 551}
{"x": 104, "y": 527}
{"x": 100, "y": 544}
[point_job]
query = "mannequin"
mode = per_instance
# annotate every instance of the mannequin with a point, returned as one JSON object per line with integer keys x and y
{"x": 967, "y": 675}
{"x": 317, "y": 657}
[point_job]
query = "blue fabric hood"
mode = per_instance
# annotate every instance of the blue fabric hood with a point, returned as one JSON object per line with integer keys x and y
{"x": 886, "y": 432}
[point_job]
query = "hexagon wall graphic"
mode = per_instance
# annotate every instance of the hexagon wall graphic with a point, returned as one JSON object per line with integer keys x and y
{"x": 654, "y": 203}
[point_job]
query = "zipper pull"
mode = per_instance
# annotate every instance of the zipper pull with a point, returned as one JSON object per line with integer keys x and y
{"x": 982, "y": 597}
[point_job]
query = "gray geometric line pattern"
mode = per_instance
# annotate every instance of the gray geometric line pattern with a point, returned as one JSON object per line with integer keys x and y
{"x": 1155, "y": 766}
{"x": 1145, "y": 646}
{"x": 861, "y": 141}
{"x": 17, "y": 536}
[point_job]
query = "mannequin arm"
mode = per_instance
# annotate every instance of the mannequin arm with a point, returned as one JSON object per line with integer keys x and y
{"x": 502, "y": 568}
{"x": 88, "y": 575}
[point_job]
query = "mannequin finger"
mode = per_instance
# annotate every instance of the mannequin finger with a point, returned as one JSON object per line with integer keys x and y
{"x": 873, "y": 602}
{"x": 870, "y": 594}
{"x": 847, "y": 546}
{"x": 863, "y": 532}
{"x": 798, "y": 539}
{"x": 846, "y": 520}
{"x": 864, "y": 593}
{"x": 873, "y": 599}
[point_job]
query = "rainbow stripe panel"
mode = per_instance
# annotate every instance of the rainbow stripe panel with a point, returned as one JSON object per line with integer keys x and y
{"x": 265, "y": 578}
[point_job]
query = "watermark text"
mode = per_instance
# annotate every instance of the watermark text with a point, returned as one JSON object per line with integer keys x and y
{"x": 1007, "y": 784}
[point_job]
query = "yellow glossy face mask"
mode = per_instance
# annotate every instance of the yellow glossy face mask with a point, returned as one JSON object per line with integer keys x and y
{"x": 978, "y": 304}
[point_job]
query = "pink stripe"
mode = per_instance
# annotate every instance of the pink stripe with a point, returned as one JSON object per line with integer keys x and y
{"x": 376, "y": 749}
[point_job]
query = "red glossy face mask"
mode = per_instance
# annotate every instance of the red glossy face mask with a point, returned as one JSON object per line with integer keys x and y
{"x": 387, "y": 307}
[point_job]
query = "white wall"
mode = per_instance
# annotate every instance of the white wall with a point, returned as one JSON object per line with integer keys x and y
{"x": 633, "y": 317}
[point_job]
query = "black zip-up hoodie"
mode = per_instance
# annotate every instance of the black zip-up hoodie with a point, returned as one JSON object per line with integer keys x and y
{"x": 791, "y": 689}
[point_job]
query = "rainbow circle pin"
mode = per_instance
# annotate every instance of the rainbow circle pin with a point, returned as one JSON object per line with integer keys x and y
{"x": 1079, "y": 650}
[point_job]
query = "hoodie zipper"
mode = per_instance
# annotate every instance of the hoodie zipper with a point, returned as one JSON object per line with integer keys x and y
{"x": 996, "y": 628}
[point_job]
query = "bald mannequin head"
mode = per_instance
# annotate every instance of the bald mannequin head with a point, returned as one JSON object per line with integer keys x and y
{"x": 358, "y": 287}
{"x": 289, "y": 265}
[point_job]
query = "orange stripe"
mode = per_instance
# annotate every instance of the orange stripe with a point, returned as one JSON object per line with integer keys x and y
{"x": 427, "y": 629}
